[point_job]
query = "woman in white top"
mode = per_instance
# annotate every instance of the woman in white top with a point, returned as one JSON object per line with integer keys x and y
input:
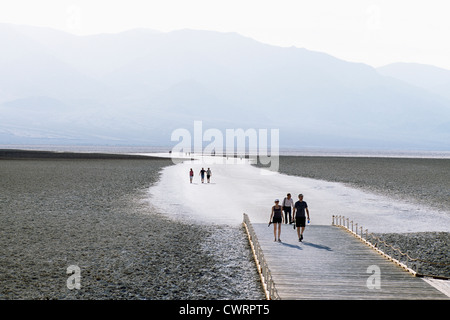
{"x": 288, "y": 203}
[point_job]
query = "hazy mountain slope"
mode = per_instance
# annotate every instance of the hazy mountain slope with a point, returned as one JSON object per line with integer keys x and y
{"x": 136, "y": 87}
{"x": 431, "y": 78}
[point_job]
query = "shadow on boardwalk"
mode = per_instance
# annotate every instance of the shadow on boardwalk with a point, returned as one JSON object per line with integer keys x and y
{"x": 317, "y": 246}
{"x": 313, "y": 245}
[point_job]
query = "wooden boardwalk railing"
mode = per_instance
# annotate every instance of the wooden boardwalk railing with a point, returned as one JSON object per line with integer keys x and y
{"x": 385, "y": 249}
{"x": 261, "y": 263}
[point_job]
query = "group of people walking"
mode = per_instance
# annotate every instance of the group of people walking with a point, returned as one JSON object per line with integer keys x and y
{"x": 298, "y": 217}
{"x": 202, "y": 175}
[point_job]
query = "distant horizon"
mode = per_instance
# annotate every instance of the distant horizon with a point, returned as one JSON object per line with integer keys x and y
{"x": 284, "y": 151}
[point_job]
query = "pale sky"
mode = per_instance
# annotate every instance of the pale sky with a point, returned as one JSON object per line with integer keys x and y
{"x": 375, "y": 32}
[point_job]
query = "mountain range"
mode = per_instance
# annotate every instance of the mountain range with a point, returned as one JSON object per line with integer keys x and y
{"x": 136, "y": 87}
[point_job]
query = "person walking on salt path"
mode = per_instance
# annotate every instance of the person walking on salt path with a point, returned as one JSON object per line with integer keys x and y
{"x": 276, "y": 217}
{"x": 300, "y": 208}
{"x": 288, "y": 203}
{"x": 191, "y": 175}
{"x": 208, "y": 175}
{"x": 202, "y": 174}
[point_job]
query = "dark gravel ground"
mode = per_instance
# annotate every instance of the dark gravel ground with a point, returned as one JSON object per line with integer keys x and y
{"x": 94, "y": 214}
{"x": 431, "y": 247}
{"x": 416, "y": 180}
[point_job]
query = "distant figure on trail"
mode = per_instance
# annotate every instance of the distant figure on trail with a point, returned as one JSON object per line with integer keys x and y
{"x": 208, "y": 174}
{"x": 191, "y": 175}
{"x": 276, "y": 218}
{"x": 299, "y": 212}
{"x": 288, "y": 203}
{"x": 202, "y": 174}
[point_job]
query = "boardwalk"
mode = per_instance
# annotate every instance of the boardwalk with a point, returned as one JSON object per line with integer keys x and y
{"x": 331, "y": 264}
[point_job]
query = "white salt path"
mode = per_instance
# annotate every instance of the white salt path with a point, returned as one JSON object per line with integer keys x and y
{"x": 237, "y": 187}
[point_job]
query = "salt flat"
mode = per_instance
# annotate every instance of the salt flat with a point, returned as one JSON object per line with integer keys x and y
{"x": 237, "y": 187}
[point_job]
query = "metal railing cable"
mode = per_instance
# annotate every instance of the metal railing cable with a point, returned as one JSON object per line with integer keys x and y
{"x": 261, "y": 263}
{"x": 386, "y": 249}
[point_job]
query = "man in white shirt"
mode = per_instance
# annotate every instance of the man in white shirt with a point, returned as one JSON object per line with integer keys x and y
{"x": 287, "y": 205}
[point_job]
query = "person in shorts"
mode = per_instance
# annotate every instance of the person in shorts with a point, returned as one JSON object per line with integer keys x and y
{"x": 208, "y": 175}
{"x": 300, "y": 208}
{"x": 202, "y": 174}
{"x": 276, "y": 217}
{"x": 191, "y": 175}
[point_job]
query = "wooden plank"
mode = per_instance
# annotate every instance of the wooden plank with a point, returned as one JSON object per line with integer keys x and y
{"x": 332, "y": 264}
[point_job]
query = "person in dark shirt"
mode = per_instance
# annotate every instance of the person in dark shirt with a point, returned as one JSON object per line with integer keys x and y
{"x": 202, "y": 174}
{"x": 300, "y": 208}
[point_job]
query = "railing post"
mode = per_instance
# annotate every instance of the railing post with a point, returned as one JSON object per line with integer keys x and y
{"x": 271, "y": 288}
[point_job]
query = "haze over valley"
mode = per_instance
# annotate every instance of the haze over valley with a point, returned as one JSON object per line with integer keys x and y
{"x": 137, "y": 86}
